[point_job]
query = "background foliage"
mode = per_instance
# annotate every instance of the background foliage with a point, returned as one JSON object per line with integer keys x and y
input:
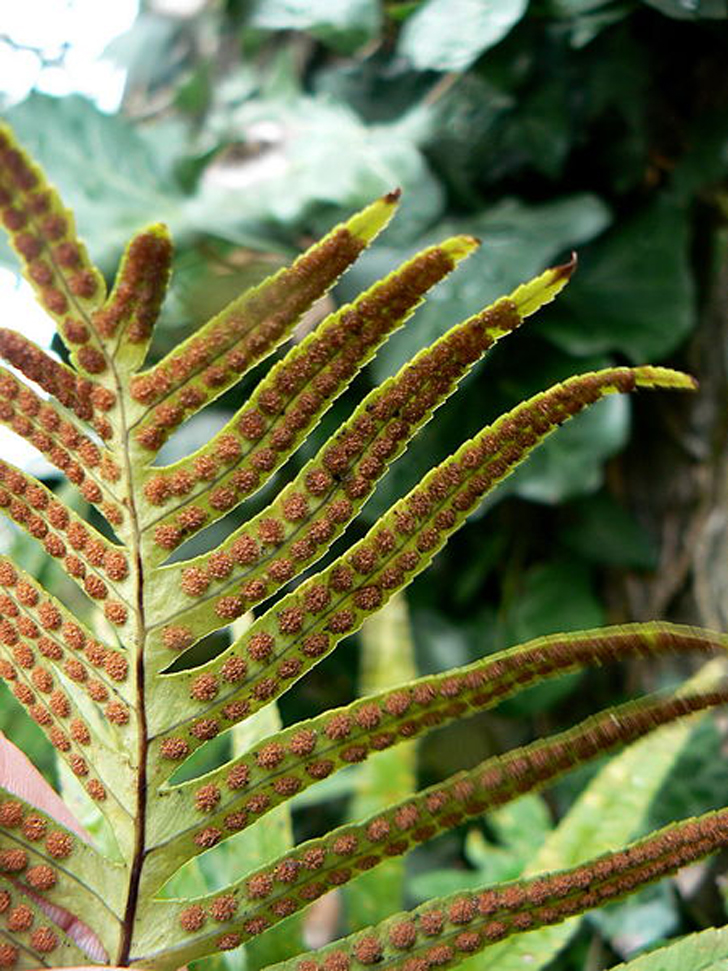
{"x": 599, "y": 125}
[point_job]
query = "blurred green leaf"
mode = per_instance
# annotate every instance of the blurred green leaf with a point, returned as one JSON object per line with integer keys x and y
{"x": 387, "y": 659}
{"x": 519, "y": 240}
{"x": 634, "y": 287}
{"x": 640, "y": 921}
{"x": 602, "y": 531}
{"x": 691, "y": 9}
{"x": 344, "y": 25}
{"x": 306, "y": 137}
{"x": 104, "y": 168}
{"x": 706, "y": 951}
{"x": 449, "y": 35}
{"x": 548, "y": 598}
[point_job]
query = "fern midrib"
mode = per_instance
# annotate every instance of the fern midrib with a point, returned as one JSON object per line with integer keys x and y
{"x": 140, "y": 848}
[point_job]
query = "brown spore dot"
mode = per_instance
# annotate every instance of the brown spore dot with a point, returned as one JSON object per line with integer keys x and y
{"x": 117, "y": 666}
{"x": 194, "y": 581}
{"x": 207, "y": 797}
{"x": 316, "y": 598}
{"x": 302, "y": 742}
{"x": 337, "y": 961}
{"x": 431, "y": 923}
{"x": 271, "y": 531}
{"x": 96, "y": 790}
{"x": 41, "y": 877}
{"x": 236, "y": 821}
{"x": 11, "y": 814}
{"x": 234, "y": 669}
{"x": 20, "y": 918}
{"x": 236, "y": 710}
{"x": 244, "y": 550}
{"x": 264, "y": 689}
{"x": 44, "y": 940}
{"x": 439, "y": 955}
{"x": 205, "y": 729}
{"x": 177, "y": 638}
{"x": 13, "y": 861}
{"x": 368, "y": 950}
{"x": 378, "y": 829}
{"x": 117, "y": 713}
{"x": 338, "y": 727}
{"x": 97, "y": 690}
{"x": 115, "y": 612}
{"x": 34, "y": 827}
{"x": 260, "y": 646}
{"x": 192, "y": 918}
{"x": 174, "y": 748}
{"x": 462, "y": 911}
{"x": 229, "y": 941}
{"x": 167, "y": 536}
{"x": 9, "y": 955}
{"x": 290, "y": 620}
{"x": 270, "y": 756}
{"x": 468, "y": 941}
{"x": 403, "y": 935}
{"x": 238, "y": 777}
{"x": 220, "y": 565}
{"x": 259, "y": 886}
{"x": 345, "y": 845}
{"x": 314, "y": 858}
{"x": 341, "y": 621}
{"x": 228, "y": 608}
{"x": 204, "y": 687}
{"x": 315, "y": 645}
{"x": 50, "y": 616}
{"x": 59, "y": 844}
{"x": 208, "y": 837}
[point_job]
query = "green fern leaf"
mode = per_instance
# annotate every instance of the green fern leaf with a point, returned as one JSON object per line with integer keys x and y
{"x": 118, "y": 684}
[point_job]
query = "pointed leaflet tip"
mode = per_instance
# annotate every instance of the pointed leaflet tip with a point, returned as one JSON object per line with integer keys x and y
{"x": 458, "y": 247}
{"x": 564, "y": 271}
{"x": 663, "y": 377}
{"x": 368, "y": 223}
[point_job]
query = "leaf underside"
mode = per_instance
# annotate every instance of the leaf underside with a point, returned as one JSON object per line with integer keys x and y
{"x": 124, "y": 703}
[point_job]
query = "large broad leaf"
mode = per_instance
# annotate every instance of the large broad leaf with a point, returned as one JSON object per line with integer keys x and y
{"x": 635, "y": 287}
{"x": 113, "y": 178}
{"x": 344, "y": 25}
{"x": 448, "y": 35}
{"x": 707, "y": 951}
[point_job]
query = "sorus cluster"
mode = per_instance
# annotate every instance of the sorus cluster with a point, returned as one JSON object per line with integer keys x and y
{"x": 314, "y": 509}
{"x": 80, "y": 395}
{"x": 91, "y": 560}
{"x": 43, "y": 235}
{"x": 287, "y": 403}
{"x": 134, "y": 304}
{"x": 219, "y": 354}
{"x": 87, "y": 465}
{"x": 38, "y": 639}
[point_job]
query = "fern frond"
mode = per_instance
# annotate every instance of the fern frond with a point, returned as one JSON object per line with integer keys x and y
{"x": 289, "y": 402}
{"x": 316, "y": 507}
{"x": 247, "y": 331}
{"x": 443, "y": 933}
{"x": 291, "y": 882}
{"x": 126, "y": 709}
{"x": 305, "y": 626}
